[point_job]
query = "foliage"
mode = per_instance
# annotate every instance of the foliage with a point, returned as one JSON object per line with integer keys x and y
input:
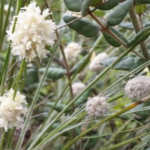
{"x": 57, "y": 118}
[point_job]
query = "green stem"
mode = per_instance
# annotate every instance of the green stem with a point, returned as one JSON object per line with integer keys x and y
{"x": 88, "y": 87}
{"x": 1, "y": 21}
{"x": 107, "y": 30}
{"x": 2, "y": 141}
{"x": 124, "y": 143}
{"x": 136, "y": 25}
{"x": 5, "y": 24}
{"x": 4, "y": 71}
{"x": 19, "y": 78}
{"x": 67, "y": 147}
{"x": 20, "y": 141}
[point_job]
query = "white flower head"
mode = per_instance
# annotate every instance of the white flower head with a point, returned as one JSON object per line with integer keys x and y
{"x": 12, "y": 111}
{"x": 32, "y": 33}
{"x": 95, "y": 63}
{"x": 72, "y": 50}
{"x": 77, "y": 88}
{"x": 96, "y": 106}
{"x": 138, "y": 87}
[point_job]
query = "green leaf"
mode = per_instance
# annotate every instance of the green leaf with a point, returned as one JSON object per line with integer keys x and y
{"x": 85, "y": 7}
{"x": 109, "y": 5}
{"x": 74, "y": 5}
{"x": 138, "y": 36}
{"x": 119, "y": 13}
{"x": 113, "y": 41}
{"x": 128, "y": 63}
{"x": 126, "y": 25}
{"x": 54, "y": 73}
{"x": 143, "y": 1}
{"x": 82, "y": 26}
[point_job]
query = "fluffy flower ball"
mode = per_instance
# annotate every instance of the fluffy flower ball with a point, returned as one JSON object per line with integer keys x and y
{"x": 77, "y": 88}
{"x": 12, "y": 111}
{"x": 32, "y": 33}
{"x": 138, "y": 87}
{"x": 72, "y": 50}
{"x": 96, "y": 106}
{"x": 95, "y": 63}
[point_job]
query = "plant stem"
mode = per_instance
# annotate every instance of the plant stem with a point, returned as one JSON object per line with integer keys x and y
{"x": 1, "y": 21}
{"x": 2, "y": 140}
{"x": 19, "y": 78}
{"x": 67, "y": 147}
{"x": 136, "y": 25}
{"x": 106, "y": 29}
{"x": 20, "y": 141}
{"x": 88, "y": 87}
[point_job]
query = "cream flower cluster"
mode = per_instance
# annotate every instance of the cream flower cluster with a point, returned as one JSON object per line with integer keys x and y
{"x": 12, "y": 111}
{"x": 96, "y": 106}
{"x": 32, "y": 33}
{"x": 138, "y": 87}
{"x": 95, "y": 63}
{"x": 77, "y": 88}
{"x": 72, "y": 50}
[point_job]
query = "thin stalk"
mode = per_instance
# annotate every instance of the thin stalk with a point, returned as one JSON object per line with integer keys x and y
{"x": 88, "y": 87}
{"x": 67, "y": 147}
{"x": 1, "y": 21}
{"x": 115, "y": 98}
{"x": 5, "y": 24}
{"x": 65, "y": 60}
{"x": 19, "y": 78}
{"x": 2, "y": 141}
{"x": 106, "y": 29}
{"x": 124, "y": 142}
{"x": 91, "y": 50}
{"x": 4, "y": 71}
{"x": 11, "y": 73}
{"x": 53, "y": 134}
{"x": 20, "y": 141}
{"x": 10, "y": 138}
{"x": 137, "y": 28}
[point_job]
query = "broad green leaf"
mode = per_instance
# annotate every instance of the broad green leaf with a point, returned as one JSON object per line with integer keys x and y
{"x": 126, "y": 25}
{"x": 109, "y": 5}
{"x": 82, "y": 26}
{"x": 54, "y": 73}
{"x": 85, "y": 7}
{"x": 119, "y": 13}
{"x": 74, "y": 5}
{"x": 113, "y": 41}
{"x": 139, "y": 36}
{"x": 128, "y": 63}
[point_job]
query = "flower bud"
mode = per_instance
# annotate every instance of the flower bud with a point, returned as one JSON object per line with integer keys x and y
{"x": 96, "y": 106}
{"x": 95, "y": 64}
{"x": 77, "y": 88}
{"x": 138, "y": 87}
